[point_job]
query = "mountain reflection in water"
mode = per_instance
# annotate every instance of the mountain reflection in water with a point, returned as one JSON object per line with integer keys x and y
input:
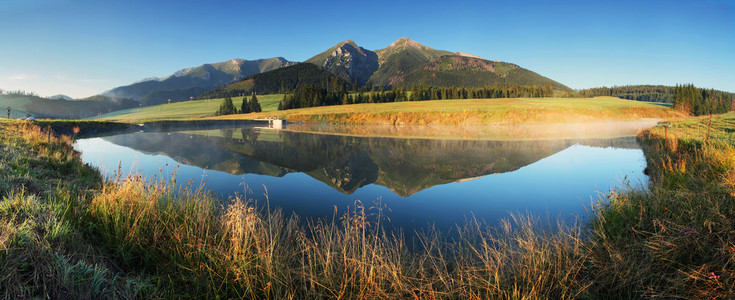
{"x": 420, "y": 181}
{"x": 346, "y": 163}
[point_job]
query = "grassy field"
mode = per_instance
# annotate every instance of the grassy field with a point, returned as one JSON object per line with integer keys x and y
{"x": 185, "y": 110}
{"x": 64, "y": 233}
{"x": 437, "y": 112}
{"x": 477, "y": 111}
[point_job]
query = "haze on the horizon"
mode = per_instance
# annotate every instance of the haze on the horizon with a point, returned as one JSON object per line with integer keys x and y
{"x": 81, "y": 48}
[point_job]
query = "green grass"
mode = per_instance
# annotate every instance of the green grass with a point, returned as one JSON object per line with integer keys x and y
{"x": 45, "y": 250}
{"x": 64, "y": 232}
{"x": 185, "y": 110}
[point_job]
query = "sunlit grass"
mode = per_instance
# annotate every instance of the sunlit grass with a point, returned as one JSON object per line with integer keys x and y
{"x": 447, "y": 112}
{"x": 476, "y": 111}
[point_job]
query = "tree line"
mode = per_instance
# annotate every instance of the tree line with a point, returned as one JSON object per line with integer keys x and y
{"x": 690, "y": 99}
{"x": 650, "y": 93}
{"x": 17, "y": 93}
{"x": 313, "y": 95}
{"x": 497, "y": 90}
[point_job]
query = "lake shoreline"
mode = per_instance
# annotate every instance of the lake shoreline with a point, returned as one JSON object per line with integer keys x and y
{"x": 506, "y": 111}
{"x": 112, "y": 233}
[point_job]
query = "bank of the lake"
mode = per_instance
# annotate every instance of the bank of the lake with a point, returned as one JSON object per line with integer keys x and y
{"x": 433, "y": 112}
{"x": 66, "y": 233}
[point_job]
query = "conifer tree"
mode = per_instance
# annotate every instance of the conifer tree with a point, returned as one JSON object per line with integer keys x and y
{"x": 245, "y": 106}
{"x": 254, "y": 105}
{"x": 226, "y": 108}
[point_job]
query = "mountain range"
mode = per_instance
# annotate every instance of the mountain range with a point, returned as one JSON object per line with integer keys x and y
{"x": 192, "y": 82}
{"x": 402, "y": 64}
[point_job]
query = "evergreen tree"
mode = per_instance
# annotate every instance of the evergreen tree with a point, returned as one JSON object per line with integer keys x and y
{"x": 254, "y": 105}
{"x": 245, "y": 106}
{"x": 226, "y": 108}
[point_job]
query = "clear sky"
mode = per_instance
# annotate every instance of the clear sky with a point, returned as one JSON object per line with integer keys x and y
{"x": 81, "y": 48}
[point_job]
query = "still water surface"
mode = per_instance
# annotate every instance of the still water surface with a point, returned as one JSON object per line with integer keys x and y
{"x": 421, "y": 181}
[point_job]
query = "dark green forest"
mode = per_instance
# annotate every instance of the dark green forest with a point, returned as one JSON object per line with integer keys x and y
{"x": 311, "y": 95}
{"x": 497, "y": 90}
{"x": 690, "y": 99}
{"x": 651, "y": 93}
{"x": 283, "y": 80}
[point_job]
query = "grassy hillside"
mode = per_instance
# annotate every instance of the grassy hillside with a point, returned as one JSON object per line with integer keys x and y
{"x": 456, "y": 70}
{"x": 477, "y": 111}
{"x": 400, "y": 58}
{"x": 185, "y": 110}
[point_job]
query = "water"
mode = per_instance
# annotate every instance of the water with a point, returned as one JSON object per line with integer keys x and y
{"x": 419, "y": 181}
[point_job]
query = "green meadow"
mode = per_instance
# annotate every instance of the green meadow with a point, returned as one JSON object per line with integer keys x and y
{"x": 448, "y": 112}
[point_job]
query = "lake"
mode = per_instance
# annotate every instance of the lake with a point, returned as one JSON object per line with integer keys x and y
{"x": 429, "y": 178}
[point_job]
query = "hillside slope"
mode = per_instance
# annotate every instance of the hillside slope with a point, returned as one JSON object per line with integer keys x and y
{"x": 466, "y": 71}
{"x": 192, "y": 82}
{"x": 29, "y": 105}
{"x": 278, "y": 81}
{"x": 400, "y": 58}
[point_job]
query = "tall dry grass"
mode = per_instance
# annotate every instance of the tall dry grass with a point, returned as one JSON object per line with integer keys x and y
{"x": 206, "y": 250}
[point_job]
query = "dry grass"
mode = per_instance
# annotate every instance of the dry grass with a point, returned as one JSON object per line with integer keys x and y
{"x": 238, "y": 251}
{"x": 476, "y": 112}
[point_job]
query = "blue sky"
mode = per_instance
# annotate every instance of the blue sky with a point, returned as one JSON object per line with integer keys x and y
{"x": 81, "y": 48}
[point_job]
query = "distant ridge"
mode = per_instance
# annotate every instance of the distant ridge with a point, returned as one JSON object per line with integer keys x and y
{"x": 61, "y": 97}
{"x": 192, "y": 82}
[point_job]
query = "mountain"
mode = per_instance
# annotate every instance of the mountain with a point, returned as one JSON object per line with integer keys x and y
{"x": 400, "y": 58}
{"x": 281, "y": 80}
{"x": 192, "y": 82}
{"x": 61, "y": 97}
{"x": 348, "y": 61}
{"x": 472, "y": 71}
{"x": 404, "y": 63}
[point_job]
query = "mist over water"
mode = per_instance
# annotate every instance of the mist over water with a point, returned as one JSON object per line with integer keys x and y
{"x": 419, "y": 181}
